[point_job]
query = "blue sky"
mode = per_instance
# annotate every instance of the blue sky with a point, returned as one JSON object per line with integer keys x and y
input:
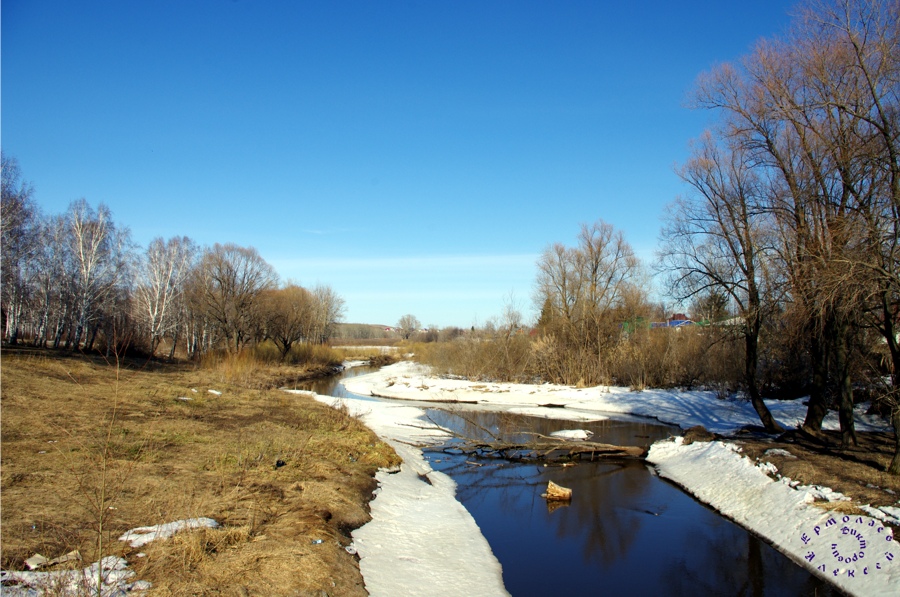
{"x": 415, "y": 156}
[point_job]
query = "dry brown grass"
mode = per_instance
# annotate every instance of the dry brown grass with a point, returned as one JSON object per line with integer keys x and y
{"x": 65, "y": 418}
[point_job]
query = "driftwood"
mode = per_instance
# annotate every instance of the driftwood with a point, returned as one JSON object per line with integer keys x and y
{"x": 557, "y": 492}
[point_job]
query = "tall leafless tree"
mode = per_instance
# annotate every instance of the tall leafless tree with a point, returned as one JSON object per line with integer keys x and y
{"x": 229, "y": 282}
{"x": 161, "y": 284}
{"x": 578, "y": 290}
{"x": 289, "y": 313}
{"x": 100, "y": 259}
{"x": 408, "y": 325}
{"x": 18, "y": 244}
{"x": 716, "y": 241}
{"x": 330, "y": 307}
{"x": 818, "y": 112}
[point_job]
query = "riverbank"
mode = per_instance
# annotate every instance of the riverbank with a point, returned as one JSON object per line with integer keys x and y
{"x": 844, "y": 540}
{"x": 93, "y": 449}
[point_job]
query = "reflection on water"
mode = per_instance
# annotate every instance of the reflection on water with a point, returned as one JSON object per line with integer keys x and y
{"x": 479, "y": 423}
{"x": 625, "y": 532}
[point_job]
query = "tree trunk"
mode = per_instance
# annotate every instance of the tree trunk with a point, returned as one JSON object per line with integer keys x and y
{"x": 751, "y": 363}
{"x": 57, "y": 339}
{"x": 894, "y": 396}
{"x": 13, "y": 315}
{"x": 174, "y": 342}
{"x": 155, "y": 340}
{"x": 818, "y": 401}
{"x": 89, "y": 345}
{"x": 41, "y": 331}
{"x": 845, "y": 385}
{"x": 79, "y": 331}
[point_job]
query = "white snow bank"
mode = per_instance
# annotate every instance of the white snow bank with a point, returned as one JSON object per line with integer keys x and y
{"x": 72, "y": 583}
{"x": 143, "y": 535}
{"x": 410, "y": 381}
{"x": 421, "y": 540}
{"x": 855, "y": 552}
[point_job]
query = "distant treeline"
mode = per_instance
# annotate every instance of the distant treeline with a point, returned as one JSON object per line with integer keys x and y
{"x": 76, "y": 280}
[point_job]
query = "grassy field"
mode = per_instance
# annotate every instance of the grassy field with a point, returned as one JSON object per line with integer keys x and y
{"x": 92, "y": 448}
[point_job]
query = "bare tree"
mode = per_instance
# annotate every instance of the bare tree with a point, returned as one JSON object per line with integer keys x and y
{"x": 408, "y": 325}
{"x": 607, "y": 266}
{"x": 289, "y": 314}
{"x": 53, "y": 290}
{"x": 163, "y": 272}
{"x": 229, "y": 282}
{"x": 329, "y": 312}
{"x": 100, "y": 255}
{"x": 715, "y": 241}
{"x": 817, "y": 111}
{"x": 578, "y": 290}
{"x": 18, "y": 244}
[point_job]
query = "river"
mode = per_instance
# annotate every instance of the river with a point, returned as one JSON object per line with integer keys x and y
{"x": 626, "y": 530}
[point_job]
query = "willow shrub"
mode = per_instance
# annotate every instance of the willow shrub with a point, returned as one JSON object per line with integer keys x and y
{"x": 686, "y": 357}
{"x": 258, "y": 361}
{"x": 495, "y": 357}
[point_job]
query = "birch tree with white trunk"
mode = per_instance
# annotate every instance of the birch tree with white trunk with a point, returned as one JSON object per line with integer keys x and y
{"x": 163, "y": 272}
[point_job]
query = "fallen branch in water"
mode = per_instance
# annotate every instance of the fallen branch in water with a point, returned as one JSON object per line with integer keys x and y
{"x": 545, "y": 450}
{"x": 541, "y": 448}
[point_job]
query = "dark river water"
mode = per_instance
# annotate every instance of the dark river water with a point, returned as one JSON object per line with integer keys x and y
{"x": 625, "y": 532}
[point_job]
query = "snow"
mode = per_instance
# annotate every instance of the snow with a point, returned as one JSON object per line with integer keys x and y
{"x": 71, "y": 583}
{"x": 574, "y": 434}
{"x": 352, "y": 364}
{"x": 143, "y": 535}
{"x": 115, "y": 571}
{"x": 411, "y": 381}
{"x": 779, "y": 452}
{"x": 420, "y": 531}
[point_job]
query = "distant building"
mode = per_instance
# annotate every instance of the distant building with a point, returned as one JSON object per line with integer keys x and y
{"x": 676, "y": 321}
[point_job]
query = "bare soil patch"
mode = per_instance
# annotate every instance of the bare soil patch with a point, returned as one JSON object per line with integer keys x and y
{"x": 85, "y": 441}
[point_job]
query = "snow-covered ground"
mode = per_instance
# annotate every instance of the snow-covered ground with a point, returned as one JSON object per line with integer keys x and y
{"x": 410, "y": 381}
{"x": 421, "y": 541}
